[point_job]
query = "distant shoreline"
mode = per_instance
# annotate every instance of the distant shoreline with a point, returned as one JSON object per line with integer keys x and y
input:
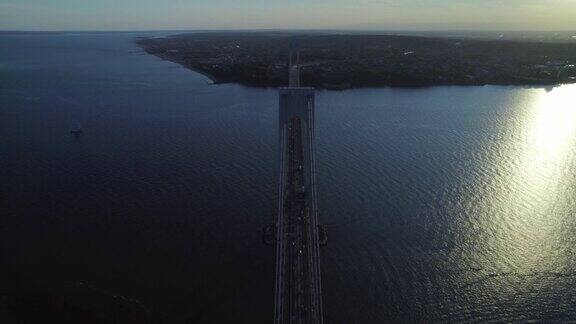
{"x": 211, "y": 79}
{"x": 340, "y": 62}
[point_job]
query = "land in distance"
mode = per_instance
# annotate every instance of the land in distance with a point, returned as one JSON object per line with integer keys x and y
{"x": 342, "y": 61}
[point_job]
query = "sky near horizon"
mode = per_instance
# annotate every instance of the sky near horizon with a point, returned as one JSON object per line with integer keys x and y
{"x": 287, "y": 14}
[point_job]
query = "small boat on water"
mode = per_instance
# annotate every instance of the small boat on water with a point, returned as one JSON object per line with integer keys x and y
{"x": 77, "y": 131}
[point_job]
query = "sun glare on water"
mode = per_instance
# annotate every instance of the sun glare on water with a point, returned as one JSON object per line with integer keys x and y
{"x": 523, "y": 206}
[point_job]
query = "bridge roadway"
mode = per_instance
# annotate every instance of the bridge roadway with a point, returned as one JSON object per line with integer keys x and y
{"x": 298, "y": 294}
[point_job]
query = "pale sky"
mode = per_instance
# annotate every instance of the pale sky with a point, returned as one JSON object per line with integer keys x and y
{"x": 287, "y": 14}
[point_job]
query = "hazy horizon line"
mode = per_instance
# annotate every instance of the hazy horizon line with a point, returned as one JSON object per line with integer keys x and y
{"x": 292, "y": 29}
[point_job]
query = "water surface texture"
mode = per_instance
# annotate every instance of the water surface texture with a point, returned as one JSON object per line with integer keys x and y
{"x": 441, "y": 204}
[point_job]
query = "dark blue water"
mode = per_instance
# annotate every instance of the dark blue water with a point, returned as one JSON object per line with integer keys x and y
{"x": 441, "y": 204}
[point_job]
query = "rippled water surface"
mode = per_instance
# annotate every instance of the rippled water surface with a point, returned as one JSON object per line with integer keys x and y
{"x": 448, "y": 203}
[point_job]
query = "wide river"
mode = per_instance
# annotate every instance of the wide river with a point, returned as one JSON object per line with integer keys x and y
{"x": 441, "y": 204}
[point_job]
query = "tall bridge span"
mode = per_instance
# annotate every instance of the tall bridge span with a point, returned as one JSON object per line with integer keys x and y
{"x": 298, "y": 297}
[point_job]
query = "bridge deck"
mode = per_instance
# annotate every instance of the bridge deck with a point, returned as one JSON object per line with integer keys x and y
{"x": 298, "y": 297}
